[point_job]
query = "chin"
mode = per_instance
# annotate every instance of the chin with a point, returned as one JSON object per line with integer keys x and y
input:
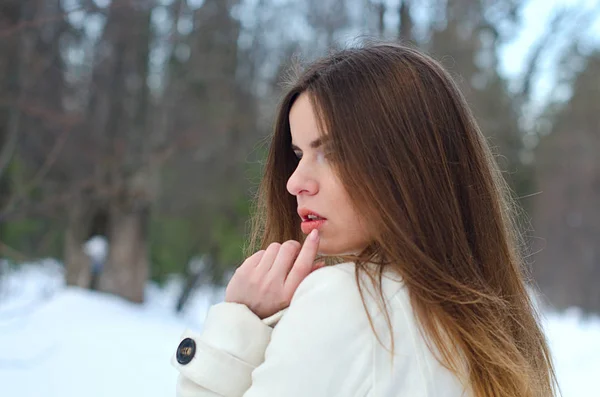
{"x": 327, "y": 250}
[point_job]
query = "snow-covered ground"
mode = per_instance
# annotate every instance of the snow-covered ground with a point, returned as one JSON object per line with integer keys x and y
{"x": 57, "y": 341}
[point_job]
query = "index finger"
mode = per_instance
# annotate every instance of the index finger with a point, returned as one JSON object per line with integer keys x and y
{"x": 304, "y": 262}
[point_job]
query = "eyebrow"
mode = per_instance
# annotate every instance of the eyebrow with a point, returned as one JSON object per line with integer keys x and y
{"x": 313, "y": 145}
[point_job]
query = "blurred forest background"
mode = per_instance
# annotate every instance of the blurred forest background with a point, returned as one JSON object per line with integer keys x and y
{"x": 145, "y": 121}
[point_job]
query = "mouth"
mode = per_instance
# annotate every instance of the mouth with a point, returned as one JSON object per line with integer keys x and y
{"x": 308, "y": 215}
{"x": 310, "y": 220}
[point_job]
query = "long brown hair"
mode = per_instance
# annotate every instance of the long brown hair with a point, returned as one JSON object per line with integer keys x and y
{"x": 405, "y": 143}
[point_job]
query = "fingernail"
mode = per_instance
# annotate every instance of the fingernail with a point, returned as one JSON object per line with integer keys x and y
{"x": 314, "y": 235}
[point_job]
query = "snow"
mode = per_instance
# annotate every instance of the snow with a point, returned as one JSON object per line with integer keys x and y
{"x": 575, "y": 344}
{"x": 65, "y": 341}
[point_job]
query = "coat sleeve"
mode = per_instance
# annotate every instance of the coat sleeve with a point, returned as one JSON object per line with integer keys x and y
{"x": 220, "y": 360}
{"x": 321, "y": 347}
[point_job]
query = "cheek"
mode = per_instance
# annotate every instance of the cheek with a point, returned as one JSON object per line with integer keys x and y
{"x": 357, "y": 227}
{"x": 339, "y": 199}
{"x": 349, "y": 229}
{"x": 352, "y": 232}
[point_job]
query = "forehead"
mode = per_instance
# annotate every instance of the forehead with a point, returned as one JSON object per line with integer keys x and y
{"x": 304, "y": 123}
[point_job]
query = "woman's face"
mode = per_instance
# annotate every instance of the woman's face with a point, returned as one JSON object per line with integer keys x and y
{"x": 323, "y": 202}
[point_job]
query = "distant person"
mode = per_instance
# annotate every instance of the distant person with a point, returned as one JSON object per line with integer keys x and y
{"x": 377, "y": 158}
{"x": 96, "y": 248}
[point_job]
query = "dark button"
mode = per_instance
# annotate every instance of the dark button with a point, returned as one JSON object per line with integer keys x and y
{"x": 186, "y": 351}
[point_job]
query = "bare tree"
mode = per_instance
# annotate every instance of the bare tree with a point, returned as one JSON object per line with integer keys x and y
{"x": 405, "y": 30}
{"x": 33, "y": 118}
{"x": 327, "y": 18}
{"x": 566, "y": 215}
{"x": 9, "y": 66}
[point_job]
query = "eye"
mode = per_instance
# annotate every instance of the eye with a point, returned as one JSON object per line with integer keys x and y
{"x": 298, "y": 154}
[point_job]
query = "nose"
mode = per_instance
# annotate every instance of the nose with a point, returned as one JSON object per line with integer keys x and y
{"x": 302, "y": 181}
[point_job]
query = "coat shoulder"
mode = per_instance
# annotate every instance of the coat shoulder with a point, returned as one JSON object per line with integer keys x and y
{"x": 339, "y": 283}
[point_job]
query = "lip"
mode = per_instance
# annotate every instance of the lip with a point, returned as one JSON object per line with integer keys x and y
{"x": 305, "y": 212}
{"x": 307, "y": 225}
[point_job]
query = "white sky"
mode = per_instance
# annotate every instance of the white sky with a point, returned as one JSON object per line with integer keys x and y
{"x": 537, "y": 15}
{"x": 536, "y": 18}
{"x": 513, "y": 56}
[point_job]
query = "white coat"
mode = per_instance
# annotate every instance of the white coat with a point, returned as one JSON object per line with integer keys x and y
{"x": 322, "y": 345}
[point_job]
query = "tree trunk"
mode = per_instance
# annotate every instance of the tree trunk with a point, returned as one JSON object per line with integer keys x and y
{"x": 77, "y": 262}
{"x": 127, "y": 268}
{"x": 9, "y": 86}
{"x": 566, "y": 216}
{"x": 406, "y": 24}
{"x": 381, "y": 18}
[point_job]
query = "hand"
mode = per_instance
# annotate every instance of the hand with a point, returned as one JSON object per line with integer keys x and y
{"x": 267, "y": 280}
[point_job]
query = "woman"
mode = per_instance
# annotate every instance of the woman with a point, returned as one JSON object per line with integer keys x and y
{"x": 377, "y": 158}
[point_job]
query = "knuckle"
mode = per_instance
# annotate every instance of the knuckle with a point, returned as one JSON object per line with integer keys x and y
{"x": 274, "y": 246}
{"x": 240, "y": 270}
{"x": 290, "y": 246}
{"x": 248, "y": 260}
